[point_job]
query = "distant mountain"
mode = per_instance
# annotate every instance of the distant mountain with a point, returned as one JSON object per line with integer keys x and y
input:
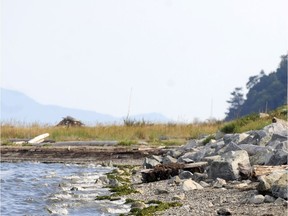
{"x": 17, "y": 107}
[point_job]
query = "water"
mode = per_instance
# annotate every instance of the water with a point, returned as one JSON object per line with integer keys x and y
{"x": 55, "y": 189}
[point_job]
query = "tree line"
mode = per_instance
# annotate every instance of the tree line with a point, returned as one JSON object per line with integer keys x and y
{"x": 265, "y": 93}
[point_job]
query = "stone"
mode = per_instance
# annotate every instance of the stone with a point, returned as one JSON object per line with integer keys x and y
{"x": 114, "y": 183}
{"x": 204, "y": 184}
{"x": 102, "y": 180}
{"x": 186, "y": 160}
{"x": 229, "y": 147}
{"x": 278, "y": 158}
{"x": 256, "y": 199}
{"x": 236, "y": 138}
{"x": 194, "y": 156}
{"x": 257, "y": 137}
{"x": 174, "y": 180}
{"x": 228, "y": 167}
{"x": 269, "y": 199}
{"x": 191, "y": 185}
{"x": 224, "y": 211}
{"x": 168, "y": 159}
{"x": 219, "y": 183}
{"x": 185, "y": 175}
{"x": 199, "y": 176}
{"x": 279, "y": 187}
{"x": 175, "y": 153}
{"x": 161, "y": 191}
{"x": 210, "y": 159}
{"x": 191, "y": 144}
{"x": 266, "y": 182}
{"x": 150, "y": 163}
{"x": 179, "y": 197}
{"x": 280, "y": 201}
{"x": 252, "y": 149}
{"x": 261, "y": 158}
{"x": 138, "y": 205}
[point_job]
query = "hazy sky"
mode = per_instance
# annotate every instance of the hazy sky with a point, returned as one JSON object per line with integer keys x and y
{"x": 178, "y": 58}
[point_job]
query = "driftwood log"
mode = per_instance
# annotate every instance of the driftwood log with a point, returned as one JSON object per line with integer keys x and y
{"x": 166, "y": 171}
{"x": 258, "y": 170}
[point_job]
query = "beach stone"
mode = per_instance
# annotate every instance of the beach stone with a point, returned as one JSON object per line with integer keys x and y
{"x": 194, "y": 156}
{"x": 161, "y": 191}
{"x": 199, "y": 176}
{"x": 279, "y": 187}
{"x": 179, "y": 197}
{"x": 257, "y": 199}
{"x": 228, "y": 167}
{"x": 257, "y": 137}
{"x": 150, "y": 163}
{"x": 168, "y": 159}
{"x": 191, "y": 144}
{"x": 175, "y": 153}
{"x": 219, "y": 183}
{"x": 174, "y": 180}
{"x": 191, "y": 185}
{"x": 224, "y": 211}
{"x": 266, "y": 182}
{"x": 138, "y": 205}
{"x": 269, "y": 199}
{"x": 229, "y": 147}
{"x": 280, "y": 201}
{"x": 261, "y": 158}
{"x": 185, "y": 175}
{"x": 252, "y": 149}
{"x": 204, "y": 184}
{"x": 278, "y": 158}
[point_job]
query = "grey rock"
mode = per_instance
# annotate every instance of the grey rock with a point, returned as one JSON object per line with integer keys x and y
{"x": 256, "y": 199}
{"x": 168, "y": 159}
{"x": 228, "y": 167}
{"x": 157, "y": 158}
{"x": 261, "y": 157}
{"x": 204, "y": 184}
{"x": 257, "y": 137}
{"x": 278, "y": 158}
{"x": 210, "y": 159}
{"x": 224, "y": 211}
{"x": 191, "y": 185}
{"x": 252, "y": 149}
{"x": 179, "y": 197}
{"x": 280, "y": 201}
{"x": 269, "y": 199}
{"x": 229, "y": 147}
{"x": 266, "y": 182}
{"x": 185, "y": 160}
{"x": 175, "y": 180}
{"x": 194, "y": 156}
{"x": 150, "y": 163}
{"x": 279, "y": 187}
{"x": 219, "y": 183}
{"x": 185, "y": 175}
{"x": 175, "y": 153}
{"x": 236, "y": 138}
{"x": 191, "y": 144}
{"x": 199, "y": 176}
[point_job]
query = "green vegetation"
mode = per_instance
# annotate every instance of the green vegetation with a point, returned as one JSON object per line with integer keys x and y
{"x": 154, "y": 206}
{"x": 265, "y": 93}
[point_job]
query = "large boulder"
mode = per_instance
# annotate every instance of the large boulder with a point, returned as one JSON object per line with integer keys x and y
{"x": 229, "y": 166}
{"x": 261, "y": 157}
{"x": 279, "y": 187}
{"x": 252, "y": 149}
{"x": 229, "y": 147}
{"x": 279, "y": 157}
{"x": 236, "y": 138}
{"x": 257, "y": 137}
{"x": 266, "y": 182}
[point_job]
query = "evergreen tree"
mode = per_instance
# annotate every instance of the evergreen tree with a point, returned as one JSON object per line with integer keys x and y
{"x": 235, "y": 102}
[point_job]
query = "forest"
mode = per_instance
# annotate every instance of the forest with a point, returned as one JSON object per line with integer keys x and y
{"x": 265, "y": 92}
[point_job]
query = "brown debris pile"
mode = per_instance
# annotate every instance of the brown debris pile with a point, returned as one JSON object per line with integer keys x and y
{"x": 70, "y": 122}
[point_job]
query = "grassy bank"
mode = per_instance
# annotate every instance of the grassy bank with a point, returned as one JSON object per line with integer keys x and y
{"x": 167, "y": 134}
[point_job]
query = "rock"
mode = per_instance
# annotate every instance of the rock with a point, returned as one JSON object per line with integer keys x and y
{"x": 210, "y": 159}
{"x": 190, "y": 145}
{"x": 157, "y": 158}
{"x": 256, "y": 199}
{"x": 194, "y": 156}
{"x": 279, "y": 187}
{"x": 228, "y": 167}
{"x": 185, "y": 160}
{"x": 175, "y": 153}
{"x": 229, "y": 147}
{"x": 179, "y": 197}
{"x": 278, "y": 158}
{"x": 252, "y": 149}
{"x": 224, "y": 211}
{"x": 218, "y": 183}
{"x": 280, "y": 201}
{"x": 138, "y": 205}
{"x": 204, "y": 184}
{"x": 236, "y": 138}
{"x": 257, "y": 137}
{"x": 185, "y": 175}
{"x": 102, "y": 180}
{"x": 168, "y": 159}
{"x": 269, "y": 199}
{"x": 150, "y": 163}
{"x": 174, "y": 180}
{"x": 261, "y": 158}
{"x": 191, "y": 185}
{"x": 266, "y": 182}
{"x": 199, "y": 176}
{"x": 161, "y": 191}
{"x": 114, "y": 183}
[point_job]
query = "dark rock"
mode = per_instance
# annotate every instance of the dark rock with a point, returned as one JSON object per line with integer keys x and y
{"x": 279, "y": 187}
{"x": 278, "y": 158}
{"x": 185, "y": 175}
{"x": 224, "y": 211}
{"x": 150, "y": 163}
{"x": 199, "y": 176}
{"x": 168, "y": 159}
{"x": 229, "y": 147}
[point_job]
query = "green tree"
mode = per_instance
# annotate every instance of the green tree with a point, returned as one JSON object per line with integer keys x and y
{"x": 236, "y": 101}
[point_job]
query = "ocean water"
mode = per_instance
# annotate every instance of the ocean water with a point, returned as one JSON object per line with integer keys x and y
{"x": 29, "y": 188}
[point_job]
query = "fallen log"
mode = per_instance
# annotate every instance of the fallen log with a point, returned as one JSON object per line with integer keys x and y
{"x": 166, "y": 171}
{"x": 258, "y": 170}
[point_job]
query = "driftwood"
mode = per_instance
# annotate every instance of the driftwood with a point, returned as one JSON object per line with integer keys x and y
{"x": 70, "y": 122}
{"x": 166, "y": 171}
{"x": 259, "y": 170}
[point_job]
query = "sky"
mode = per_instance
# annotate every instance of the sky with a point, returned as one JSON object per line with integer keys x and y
{"x": 181, "y": 58}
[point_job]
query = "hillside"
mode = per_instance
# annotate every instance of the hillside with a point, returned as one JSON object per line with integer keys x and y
{"x": 18, "y": 107}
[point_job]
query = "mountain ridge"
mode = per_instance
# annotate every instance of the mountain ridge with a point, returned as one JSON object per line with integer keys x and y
{"x": 18, "y": 107}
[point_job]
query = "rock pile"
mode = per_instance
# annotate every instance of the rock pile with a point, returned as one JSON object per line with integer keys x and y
{"x": 232, "y": 158}
{"x": 70, "y": 122}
